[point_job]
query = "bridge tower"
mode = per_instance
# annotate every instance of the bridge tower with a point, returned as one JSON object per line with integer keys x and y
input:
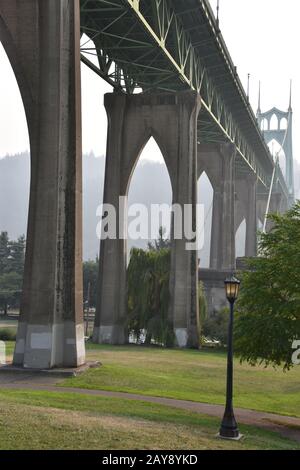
{"x": 283, "y": 134}
{"x": 41, "y": 39}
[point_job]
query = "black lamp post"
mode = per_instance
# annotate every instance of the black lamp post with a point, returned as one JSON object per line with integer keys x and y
{"x": 229, "y": 429}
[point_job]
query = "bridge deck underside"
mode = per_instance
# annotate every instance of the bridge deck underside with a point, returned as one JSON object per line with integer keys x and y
{"x": 173, "y": 46}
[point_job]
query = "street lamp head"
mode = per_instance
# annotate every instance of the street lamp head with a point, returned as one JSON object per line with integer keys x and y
{"x": 232, "y": 286}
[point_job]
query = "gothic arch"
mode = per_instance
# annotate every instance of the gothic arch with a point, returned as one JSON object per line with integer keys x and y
{"x": 137, "y": 151}
{"x": 12, "y": 53}
{"x": 240, "y": 239}
{"x": 283, "y": 123}
{"x": 152, "y": 192}
{"x": 276, "y": 149}
{"x": 274, "y": 122}
{"x": 206, "y": 197}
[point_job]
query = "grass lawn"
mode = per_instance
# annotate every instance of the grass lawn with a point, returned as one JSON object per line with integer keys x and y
{"x": 190, "y": 375}
{"x": 42, "y": 420}
{"x": 62, "y": 420}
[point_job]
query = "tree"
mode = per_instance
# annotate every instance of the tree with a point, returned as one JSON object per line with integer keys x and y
{"x": 216, "y": 326}
{"x": 17, "y": 255}
{"x": 202, "y": 304}
{"x": 12, "y": 257}
{"x": 10, "y": 290}
{"x": 90, "y": 274}
{"x": 4, "y": 252}
{"x": 148, "y": 295}
{"x": 268, "y": 319}
{"x": 161, "y": 243}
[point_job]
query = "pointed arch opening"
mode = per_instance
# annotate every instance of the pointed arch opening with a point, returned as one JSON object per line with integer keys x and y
{"x": 149, "y": 187}
{"x": 14, "y": 192}
{"x": 274, "y": 123}
{"x": 278, "y": 152}
{"x": 205, "y": 198}
{"x": 150, "y": 197}
{"x": 240, "y": 240}
{"x": 283, "y": 124}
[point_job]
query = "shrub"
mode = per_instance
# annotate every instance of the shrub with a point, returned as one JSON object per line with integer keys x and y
{"x": 216, "y": 326}
{"x": 8, "y": 334}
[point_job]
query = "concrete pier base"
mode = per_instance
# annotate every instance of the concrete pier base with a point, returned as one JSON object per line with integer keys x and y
{"x": 42, "y": 40}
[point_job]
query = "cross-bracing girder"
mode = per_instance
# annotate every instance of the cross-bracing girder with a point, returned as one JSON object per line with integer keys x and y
{"x": 170, "y": 45}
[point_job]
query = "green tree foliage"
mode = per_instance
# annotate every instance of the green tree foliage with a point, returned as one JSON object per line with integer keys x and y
{"x": 17, "y": 255}
{"x": 268, "y": 317}
{"x": 162, "y": 242}
{"x": 202, "y": 305}
{"x": 12, "y": 255}
{"x": 10, "y": 290}
{"x": 148, "y": 295}
{"x": 4, "y": 252}
{"x": 90, "y": 274}
{"x": 216, "y": 326}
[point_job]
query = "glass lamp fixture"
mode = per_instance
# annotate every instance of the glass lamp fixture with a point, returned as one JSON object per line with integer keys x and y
{"x": 232, "y": 286}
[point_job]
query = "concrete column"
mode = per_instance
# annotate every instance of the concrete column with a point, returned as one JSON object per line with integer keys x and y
{"x": 184, "y": 263}
{"x": 275, "y": 207}
{"x": 276, "y": 203}
{"x": 172, "y": 120}
{"x": 261, "y": 203}
{"x": 251, "y": 215}
{"x": 42, "y": 41}
{"x": 222, "y": 158}
{"x": 215, "y": 244}
{"x": 111, "y": 302}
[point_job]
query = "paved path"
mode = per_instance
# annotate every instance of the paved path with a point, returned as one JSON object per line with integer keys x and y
{"x": 286, "y": 426}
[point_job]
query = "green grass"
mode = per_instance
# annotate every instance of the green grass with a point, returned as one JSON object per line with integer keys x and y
{"x": 63, "y": 420}
{"x": 44, "y": 420}
{"x": 190, "y": 375}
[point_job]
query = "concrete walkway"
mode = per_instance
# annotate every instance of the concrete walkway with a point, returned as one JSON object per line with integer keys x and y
{"x": 286, "y": 426}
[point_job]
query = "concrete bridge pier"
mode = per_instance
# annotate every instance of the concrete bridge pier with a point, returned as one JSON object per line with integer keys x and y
{"x": 218, "y": 163}
{"x": 251, "y": 215}
{"x": 132, "y": 119}
{"x": 277, "y": 206}
{"x": 262, "y": 199}
{"x": 246, "y": 208}
{"x": 41, "y": 39}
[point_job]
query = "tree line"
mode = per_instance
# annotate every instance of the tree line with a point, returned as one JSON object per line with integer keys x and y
{"x": 12, "y": 257}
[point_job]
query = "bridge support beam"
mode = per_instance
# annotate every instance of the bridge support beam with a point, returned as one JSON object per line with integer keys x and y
{"x": 41, "y": 39}
{"x": 251, "y": 216}
{"x": 172, "y": 120}
{"x": 218, "y": 162}
{"x": 246, "y": 208}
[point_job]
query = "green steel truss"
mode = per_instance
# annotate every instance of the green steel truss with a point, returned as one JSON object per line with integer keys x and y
{"x": 173, "y": 45}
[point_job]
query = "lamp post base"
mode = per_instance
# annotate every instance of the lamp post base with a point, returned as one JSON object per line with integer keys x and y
{"x": 238, "y": 437}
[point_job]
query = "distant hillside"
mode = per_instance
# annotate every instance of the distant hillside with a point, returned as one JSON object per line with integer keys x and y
{"x": 14, "y": 194}
{"x": 150, "y": 184}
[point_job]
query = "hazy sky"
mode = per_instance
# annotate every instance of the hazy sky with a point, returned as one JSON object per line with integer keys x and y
{"x": 262, "y": 37}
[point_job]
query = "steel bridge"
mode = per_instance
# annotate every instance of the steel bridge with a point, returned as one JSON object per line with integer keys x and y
{"x": 172, "y": 45}
{"x": 174, "y": 80}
